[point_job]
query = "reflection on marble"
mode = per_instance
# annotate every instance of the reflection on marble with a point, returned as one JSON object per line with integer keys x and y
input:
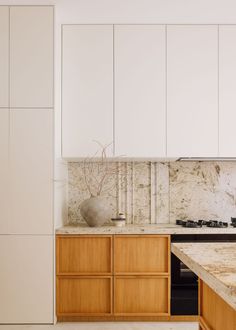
{"x": 214, "y": 263}
{"x": 157, "y": 192}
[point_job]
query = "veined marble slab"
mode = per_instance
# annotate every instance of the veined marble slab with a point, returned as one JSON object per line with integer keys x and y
{"x": 214, "y": 263}
{"x": 157, "y": 193}
{"x": 168, "y": 229}
{"x": 142, "y": 195}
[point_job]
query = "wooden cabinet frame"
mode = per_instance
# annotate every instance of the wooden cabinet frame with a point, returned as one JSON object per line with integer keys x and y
{"x": 142, "y": 273}
{"x": 214, "y": 312}
{"x": 113, "y": 276}
{"x": 141, "y": 277}
{"x": 146, "y": 273}
{"x": 60, "y": 239}
{"x": 83, "y": 275}
{"x": 61, "y": 314}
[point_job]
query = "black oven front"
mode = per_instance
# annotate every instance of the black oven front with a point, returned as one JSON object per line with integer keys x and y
{"x": 184, "y": 283}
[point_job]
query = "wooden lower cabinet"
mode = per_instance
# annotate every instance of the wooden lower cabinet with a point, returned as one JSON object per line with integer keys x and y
{"x": 84, "y": 296}
{"x": 132, "y": 254}
{"x": 141, "y": 295}
{"x": 112, "y": 277}
{"x": 84, "y": 255}
{"x": 215, "y": 313}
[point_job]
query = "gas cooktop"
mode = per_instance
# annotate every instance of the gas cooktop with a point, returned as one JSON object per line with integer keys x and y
{"x": 203, "y": 223}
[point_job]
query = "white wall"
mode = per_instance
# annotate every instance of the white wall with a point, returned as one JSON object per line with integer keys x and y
{"x": 119, "y": 11}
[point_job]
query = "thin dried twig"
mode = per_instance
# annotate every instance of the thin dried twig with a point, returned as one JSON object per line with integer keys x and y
{"x": 97, "y": 172}
{"x": 85, "y": 178}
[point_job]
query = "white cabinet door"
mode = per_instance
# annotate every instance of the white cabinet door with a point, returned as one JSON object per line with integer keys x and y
{"x": 31, "y": 56}
{"x": 4, "y": 177}
{"x": 31, "y": 171}
{"x": 192, "y": 91}
{"x": 26, "y": 279}
{"x": 227, "y": 91}
{"x": 140, "y": 90}
{"x": 4, "y": 56}
{"x": 87, "y": 88}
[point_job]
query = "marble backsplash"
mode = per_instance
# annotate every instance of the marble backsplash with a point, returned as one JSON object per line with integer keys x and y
{"x": 157, "y": 192}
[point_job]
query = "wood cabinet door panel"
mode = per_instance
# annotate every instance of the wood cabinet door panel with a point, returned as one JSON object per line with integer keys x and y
{"x": 84, "y": 295}
{"x": 215, "y": 313}
{"x": 208, "y": 305}
{"x": 141, "y": 295}
{"x": 84, "y": 255}
{"x": 225, "y": 315}
{"x": 141, "y": 254}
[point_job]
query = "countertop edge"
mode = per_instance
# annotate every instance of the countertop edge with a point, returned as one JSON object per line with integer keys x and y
{"x": 149, "y": 229}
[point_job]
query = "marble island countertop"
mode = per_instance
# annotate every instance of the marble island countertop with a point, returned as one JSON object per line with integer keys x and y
{"x": 168, "y": 229}
{"x": 214, "y": 263}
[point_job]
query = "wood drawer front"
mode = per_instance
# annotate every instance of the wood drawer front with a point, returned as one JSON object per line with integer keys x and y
{"x": 141, "y": 254}
{"x": 84, "y": 296}
{"x": 84, "y": 255}
{"x": 141, "y": 295}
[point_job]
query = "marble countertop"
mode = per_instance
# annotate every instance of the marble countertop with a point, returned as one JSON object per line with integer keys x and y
{"x": 168, "y": 229}
{"x": 214, "y": 263}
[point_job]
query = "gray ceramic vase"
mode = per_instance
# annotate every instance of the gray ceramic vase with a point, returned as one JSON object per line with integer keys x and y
{"x": 95, "y": 211}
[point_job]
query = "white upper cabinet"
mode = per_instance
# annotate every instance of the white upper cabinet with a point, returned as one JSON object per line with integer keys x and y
{"x": 192, "y": 91}
{"x": 4, "y": 175}
{"x": 26, "y": 279}
{"x": 4, "y": 56}
{"x": 227, "y": 91}
{"x": 87, "y": 89}
{"x": 31, "y": 171}
{"x": 171, "y": 89}
{"x": 31, "y": 56}
{"x": 140, "y": 90}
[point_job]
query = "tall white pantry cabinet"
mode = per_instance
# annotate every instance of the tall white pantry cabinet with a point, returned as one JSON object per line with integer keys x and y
{"x": 26, "y": 158}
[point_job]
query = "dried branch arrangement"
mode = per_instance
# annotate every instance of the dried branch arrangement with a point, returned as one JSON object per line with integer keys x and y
{"x": 98, "y": 172}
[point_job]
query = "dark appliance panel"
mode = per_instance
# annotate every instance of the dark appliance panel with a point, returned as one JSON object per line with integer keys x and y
{"x": 184, "y": 283}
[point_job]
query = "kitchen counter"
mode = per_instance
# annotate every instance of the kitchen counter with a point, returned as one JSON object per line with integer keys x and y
{"x": 165, "y": 229}
{"x": 214, "y": 263}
